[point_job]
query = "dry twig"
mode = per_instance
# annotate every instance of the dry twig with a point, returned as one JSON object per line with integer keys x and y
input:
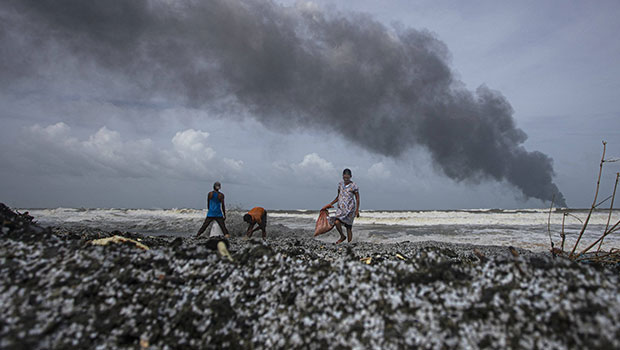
{"x": 549, "y": 225}
{"x": 611, "y": 208}
{"x": 598, "y": 184}
{"x": 563, "y": 235}
{"x": 611, "y": 257}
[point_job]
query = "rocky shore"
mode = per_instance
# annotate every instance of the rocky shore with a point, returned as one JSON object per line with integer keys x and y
{"x": 59, "y": 291}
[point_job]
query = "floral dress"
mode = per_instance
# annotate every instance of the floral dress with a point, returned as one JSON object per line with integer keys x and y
{"x": 345, "y": 210}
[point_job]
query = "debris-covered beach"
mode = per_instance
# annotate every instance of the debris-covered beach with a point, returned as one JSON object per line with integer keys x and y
{"x": 59, "y": 291}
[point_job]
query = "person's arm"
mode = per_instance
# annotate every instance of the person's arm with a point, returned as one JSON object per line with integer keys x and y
{"x": 357, "y": 204}
{"x": 223, "y": 206}
{"x": 250, "y": 231}
{"x": 332, "y": 202}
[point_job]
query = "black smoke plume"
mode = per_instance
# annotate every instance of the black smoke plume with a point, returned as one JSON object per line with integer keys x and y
{"x": 386, "y": 89}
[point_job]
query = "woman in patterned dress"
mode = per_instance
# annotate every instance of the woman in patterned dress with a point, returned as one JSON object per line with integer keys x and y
{"x": 348, "y": 200}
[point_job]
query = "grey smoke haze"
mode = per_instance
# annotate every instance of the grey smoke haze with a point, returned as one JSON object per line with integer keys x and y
{"x": 384, "y": 89}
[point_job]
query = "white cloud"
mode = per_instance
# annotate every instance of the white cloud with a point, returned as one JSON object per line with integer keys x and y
{"x": 191, "y": 143}
{"x": 55, "y": 130}
{"x": 378, "y": 171}
{"x": 54, "y": 149}
{"x": 233, "y": 164}
{"x": 281, "y": 167}
{"x": 313, "y": 165}
{"x": 311, "y": 169}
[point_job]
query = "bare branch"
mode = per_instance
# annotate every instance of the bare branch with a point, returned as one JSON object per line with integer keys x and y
{"x": 603, "y": 201}
{"x": 598, "y": 184}
{"x": 611, "y": 208}
{"x": 575, "y": 216}
{"x": 549, "y": 224}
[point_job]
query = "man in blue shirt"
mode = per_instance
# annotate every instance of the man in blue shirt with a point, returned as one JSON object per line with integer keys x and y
{"x": 217, "y": 210}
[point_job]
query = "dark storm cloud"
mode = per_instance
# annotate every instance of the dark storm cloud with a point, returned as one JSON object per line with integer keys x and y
{"x": 384, "y": 89}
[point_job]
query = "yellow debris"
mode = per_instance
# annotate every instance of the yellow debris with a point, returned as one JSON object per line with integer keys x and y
{"x": 144, "y": 343}
{"x": 221, "y": 248}
{"x": 366, "y": 260}
{"x": 400, "y": 257}
{"x": 118, "y": 239}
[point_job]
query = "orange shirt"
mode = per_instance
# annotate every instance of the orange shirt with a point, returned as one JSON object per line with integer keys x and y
{"x": 257, "y": 213}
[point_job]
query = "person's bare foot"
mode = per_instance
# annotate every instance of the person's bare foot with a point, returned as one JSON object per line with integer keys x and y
{"x": 341, "y": 240}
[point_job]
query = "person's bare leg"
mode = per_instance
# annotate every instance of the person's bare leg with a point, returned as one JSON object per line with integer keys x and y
{"x": 339, "y": 228}
{"x": 263, "y": 225}
{"x": 204, "y": 226}
{"x": 349, "y": 234}
{"x": 220, "y": 222}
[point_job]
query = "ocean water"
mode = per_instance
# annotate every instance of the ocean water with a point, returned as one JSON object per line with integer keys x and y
{"x": 525, "y": 228}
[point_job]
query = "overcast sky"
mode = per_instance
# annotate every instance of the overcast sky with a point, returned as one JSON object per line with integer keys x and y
{"x": 92, "y": 127}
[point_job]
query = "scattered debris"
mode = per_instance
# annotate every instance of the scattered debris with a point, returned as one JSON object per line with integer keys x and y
{"x": 57, "y": 292}
{"x": 366, "y": 261}
{"x": 118, "y": 239}
{"x": 480, "y": 255}
{"x": 221, "y": 248}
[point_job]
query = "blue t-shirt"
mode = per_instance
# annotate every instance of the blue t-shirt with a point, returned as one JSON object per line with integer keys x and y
{"x": 215, "y": 207}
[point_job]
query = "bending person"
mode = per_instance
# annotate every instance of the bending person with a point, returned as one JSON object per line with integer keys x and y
{"x": 217, "y": 210}
{"x": 255, "y": 216}
{"x": 348, "y": 200}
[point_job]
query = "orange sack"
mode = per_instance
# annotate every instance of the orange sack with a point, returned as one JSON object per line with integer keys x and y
{"x": 322, "y": 223}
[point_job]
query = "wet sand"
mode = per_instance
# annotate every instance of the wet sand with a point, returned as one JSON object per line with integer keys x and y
{"x": 58, "y": 291}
